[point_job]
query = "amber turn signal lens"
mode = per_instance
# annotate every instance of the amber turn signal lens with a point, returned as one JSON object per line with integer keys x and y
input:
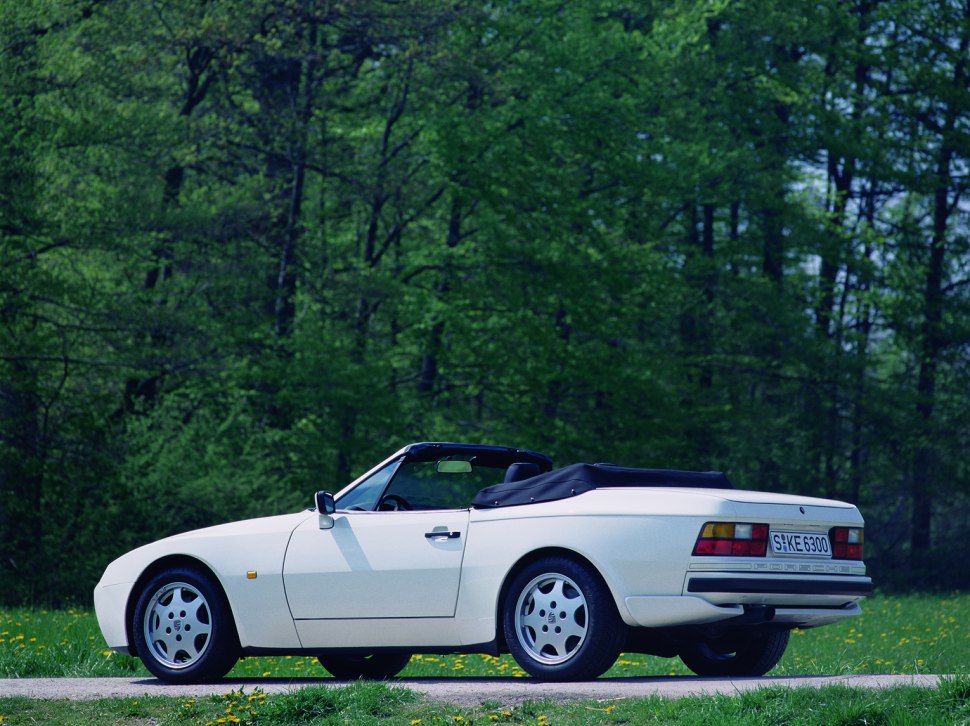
{"x": 732, "y": 539}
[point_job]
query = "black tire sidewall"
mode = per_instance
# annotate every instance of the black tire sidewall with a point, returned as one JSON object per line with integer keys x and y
{"x": 755, "y": 658}
{"x": 223, "y": 648}
{"x": 605, "y": 631}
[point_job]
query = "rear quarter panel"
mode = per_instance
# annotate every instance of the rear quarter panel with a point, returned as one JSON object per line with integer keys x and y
{"x": 640, "y": 542}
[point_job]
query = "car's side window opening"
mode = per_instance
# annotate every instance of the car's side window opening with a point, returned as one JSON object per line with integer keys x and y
{"x": 449, "y": 483}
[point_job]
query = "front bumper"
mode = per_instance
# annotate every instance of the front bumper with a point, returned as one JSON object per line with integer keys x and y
{"x": 110, "y": 606}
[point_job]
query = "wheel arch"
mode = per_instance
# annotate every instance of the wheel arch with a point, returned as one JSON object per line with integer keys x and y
{"x": 160, "y": 565}
{"x": 525, "y": 561}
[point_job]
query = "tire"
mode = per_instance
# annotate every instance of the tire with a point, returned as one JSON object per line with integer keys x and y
{"x": 750, "y": 653}
{"x": 373, "y": 666}
{"x": 560, "y": 621}
{"x": 183, "y": 629}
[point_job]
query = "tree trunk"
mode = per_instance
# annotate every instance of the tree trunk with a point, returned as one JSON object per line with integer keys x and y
{"x": 925, "y": 464}
{"x": 429, "y": 360}
{"x": 925, "y": 461}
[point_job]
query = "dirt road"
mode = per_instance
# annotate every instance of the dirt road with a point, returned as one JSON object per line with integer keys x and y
{"x": 461, "y": 691}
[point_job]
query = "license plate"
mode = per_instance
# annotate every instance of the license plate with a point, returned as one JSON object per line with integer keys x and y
{"x": 800, "y": 544}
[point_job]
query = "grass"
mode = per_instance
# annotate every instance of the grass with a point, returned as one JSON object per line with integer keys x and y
{"x": 380, "y": 704}
{"x": 895, "y": 634}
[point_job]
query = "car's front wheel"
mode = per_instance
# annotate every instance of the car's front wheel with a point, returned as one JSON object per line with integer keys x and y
{"x": 183, "y": 629}
{"x": 560, "y": 621}
{"x": 372, "y": 666}
{"x": 744, "y": 653}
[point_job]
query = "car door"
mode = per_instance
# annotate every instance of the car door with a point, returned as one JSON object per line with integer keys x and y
{"x": 403, "y": 564}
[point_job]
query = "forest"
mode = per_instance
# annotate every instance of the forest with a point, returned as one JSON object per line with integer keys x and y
{"x": 249, "y": 248}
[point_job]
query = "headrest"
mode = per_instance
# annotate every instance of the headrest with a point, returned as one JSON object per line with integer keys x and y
{"x": 521, "y": 470}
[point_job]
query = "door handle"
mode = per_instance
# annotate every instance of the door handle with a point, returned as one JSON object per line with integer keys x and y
{"x": 442, "y": 535}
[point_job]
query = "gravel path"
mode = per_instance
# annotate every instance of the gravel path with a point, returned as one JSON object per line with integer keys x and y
{"x": 461, "y": 691}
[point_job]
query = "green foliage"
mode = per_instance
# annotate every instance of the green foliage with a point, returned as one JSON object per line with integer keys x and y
{"x": 335, "y": 705}
{"x": 249, "y": 249}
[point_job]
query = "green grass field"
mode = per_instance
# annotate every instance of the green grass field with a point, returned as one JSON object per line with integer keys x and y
{"x": 382, "y": 704}
{"x": 895, "y": 634}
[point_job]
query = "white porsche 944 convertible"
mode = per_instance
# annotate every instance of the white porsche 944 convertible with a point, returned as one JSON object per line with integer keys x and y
{"x": 457, "y": 548}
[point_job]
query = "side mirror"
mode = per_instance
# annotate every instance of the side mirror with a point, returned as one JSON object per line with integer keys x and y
{"x": 325, "y": 508}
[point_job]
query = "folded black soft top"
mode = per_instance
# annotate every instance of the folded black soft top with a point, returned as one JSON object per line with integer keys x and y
{"x": 579, "y": 478}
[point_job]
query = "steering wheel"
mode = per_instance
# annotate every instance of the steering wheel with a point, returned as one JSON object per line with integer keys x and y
{"x": 394, "y": 503}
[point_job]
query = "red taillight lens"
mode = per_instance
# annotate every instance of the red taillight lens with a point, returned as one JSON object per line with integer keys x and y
{"x": 732, "y": 539}
{"x": 846, "y": 543}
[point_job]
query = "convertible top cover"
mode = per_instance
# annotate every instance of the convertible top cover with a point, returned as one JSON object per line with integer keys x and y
{"x": 577, "y": 479}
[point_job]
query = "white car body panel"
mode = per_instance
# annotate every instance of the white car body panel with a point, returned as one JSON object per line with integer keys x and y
{"x": 230, "y": 551}
{"x": 376, "y": 565}
{"x": 376, "y": 580}
{"x": 412, "y": 633}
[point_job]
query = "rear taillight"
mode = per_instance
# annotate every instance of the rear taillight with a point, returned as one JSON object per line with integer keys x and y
{"x": 846, "y": 543}
{"x": 730, "y": 539}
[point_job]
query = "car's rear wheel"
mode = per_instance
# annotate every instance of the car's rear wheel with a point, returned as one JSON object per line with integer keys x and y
{"x": 372, "y": 666}
{"x": 560, "y": 621}
{"x": 183, "y": 629}
{"x": 745, "y": 653}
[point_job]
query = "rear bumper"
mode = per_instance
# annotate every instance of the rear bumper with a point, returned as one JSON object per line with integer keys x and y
{"x": 851, "y": 587}
{"x": 805, "y": 600}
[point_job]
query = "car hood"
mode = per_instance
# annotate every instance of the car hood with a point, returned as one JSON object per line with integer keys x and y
{"x": 247, "y": 527}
